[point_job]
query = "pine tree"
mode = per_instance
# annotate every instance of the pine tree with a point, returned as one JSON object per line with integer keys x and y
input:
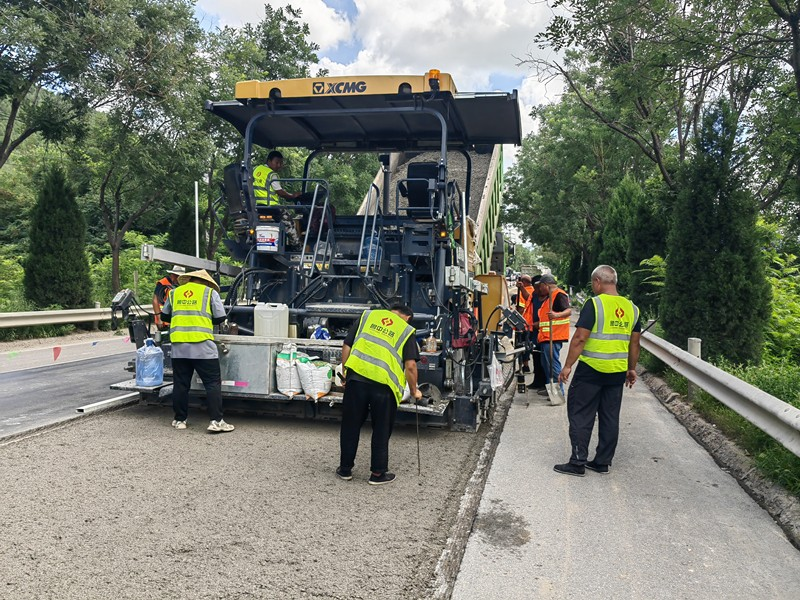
{"x": 716, "y": 287}
{"x": 615, "y": 237}
{"x": 181, "y": 237}
{"x": 647, "y": 236}
{"x": 56, "y": 268}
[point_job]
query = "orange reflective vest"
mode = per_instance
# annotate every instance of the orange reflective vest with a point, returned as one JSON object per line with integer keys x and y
{"x": 560, "y": 331}
{"x": 527, "y": 306}
{"x": 168, "y": 285}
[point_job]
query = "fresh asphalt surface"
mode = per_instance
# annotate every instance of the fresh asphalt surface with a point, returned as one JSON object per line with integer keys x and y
{"x": 38, "y": 396}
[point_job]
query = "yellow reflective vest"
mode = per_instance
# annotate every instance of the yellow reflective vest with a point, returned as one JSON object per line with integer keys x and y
{"x": 606, "y": 350}
{"x": 191, "y": 313}
{"x": 377, "y": 353}
{"x": 262, "y": 186}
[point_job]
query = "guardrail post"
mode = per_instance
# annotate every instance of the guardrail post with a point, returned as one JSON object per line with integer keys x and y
{"x": 694, "y": 349}
{"x": 96, "y": 324}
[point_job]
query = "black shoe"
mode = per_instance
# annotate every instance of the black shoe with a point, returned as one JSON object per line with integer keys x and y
{"x": 346, "y": 475}
{"x": 536, "y": 386}
{"x": 543, "y": 392}
{"x": 382, "y": 478}
{"x": 593, "y": 466}
{"x": 570, "y": 469}
{"x": 526, "y": 369}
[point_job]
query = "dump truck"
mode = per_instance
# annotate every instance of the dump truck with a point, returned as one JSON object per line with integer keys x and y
{"x": 425, "y": 235}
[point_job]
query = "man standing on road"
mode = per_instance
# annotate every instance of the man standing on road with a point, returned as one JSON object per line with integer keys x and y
{"x": 192, "y": 309}
{"x": 553, "y": 324}
{"x": 606, "y": 346}
{"x": 163, "y": 286}
{"x": 379, "y": 356}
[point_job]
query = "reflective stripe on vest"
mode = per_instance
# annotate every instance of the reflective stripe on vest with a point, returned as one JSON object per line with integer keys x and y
{"x": 377, "y": 353}
{"x": 262, "y": 186}
{"x": 606, "y": 349}
{"x": 560, "y": 326}
{"x": 191, "y": 313}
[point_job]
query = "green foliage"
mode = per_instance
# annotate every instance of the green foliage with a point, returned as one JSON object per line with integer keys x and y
{"x": 281, "y": 38}
{"x": 135, "y": 274}
{"x": 349, "y": 177}
{"x": 559, "y": 188}
{"x": 715, "y": 284}
{"x": 181, "y": 236}
{"x": 56, "y": 269}
{"x": 11, "y": 274}
{"x": 783, "y": 329}
{"x": 647, "y": 238}
{"x": 654, "y": 272}
{"x": 614, "y": 239}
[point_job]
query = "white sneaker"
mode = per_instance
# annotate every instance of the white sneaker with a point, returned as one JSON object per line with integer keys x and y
{"x": 220, "y": 427}
{"x": 179, "y": 424}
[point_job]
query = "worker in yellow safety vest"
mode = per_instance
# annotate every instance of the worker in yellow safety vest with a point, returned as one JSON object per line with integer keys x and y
{"x": 266, "y": 184}
{"x": 606, "y": 347}
{"x": 268, "y": 192}
{"x": 379, "y": 356}
{"x": 192, "y": 309}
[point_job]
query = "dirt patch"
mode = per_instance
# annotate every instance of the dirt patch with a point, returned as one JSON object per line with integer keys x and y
{"x": 782, "y": 506}
{"x": 501, "y": 527}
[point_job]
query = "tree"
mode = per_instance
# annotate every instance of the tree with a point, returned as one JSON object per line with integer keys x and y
{"x": 277, "y": 47}
{"x": 558, "y": 190}
{"x": 716, "y": 287}
{"x": 647, "y": 237}
{"x": 614, "y": 239}
{"x": 56, "y": 269}
{"x": 60, "y": 60}
{"x": 658, "y": 64}
{"x": 181, "y": 236}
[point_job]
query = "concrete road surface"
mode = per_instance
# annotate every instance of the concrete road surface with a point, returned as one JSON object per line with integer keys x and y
{"x": 667, "y": 522}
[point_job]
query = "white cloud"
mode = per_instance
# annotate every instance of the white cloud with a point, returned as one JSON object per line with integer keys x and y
{"x": 477, "y": 42}
{"x": 328, "y": 27}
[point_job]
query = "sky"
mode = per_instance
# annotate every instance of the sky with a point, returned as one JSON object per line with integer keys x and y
{"x": 479, "y": 42}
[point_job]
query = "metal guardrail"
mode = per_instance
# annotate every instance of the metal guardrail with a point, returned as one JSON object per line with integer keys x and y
{"x": 59, "y": 317}
{"x": 770, "y": 414}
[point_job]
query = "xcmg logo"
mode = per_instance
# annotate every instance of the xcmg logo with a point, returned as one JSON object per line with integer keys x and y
{"x": 343, "y": 87}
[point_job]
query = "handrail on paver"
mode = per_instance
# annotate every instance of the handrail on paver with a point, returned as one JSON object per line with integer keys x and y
{"x": 59, "y": 317}
{"x": 770, "y": 414}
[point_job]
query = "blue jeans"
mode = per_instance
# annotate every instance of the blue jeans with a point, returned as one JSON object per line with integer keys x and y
{"x": 544, "y": 347}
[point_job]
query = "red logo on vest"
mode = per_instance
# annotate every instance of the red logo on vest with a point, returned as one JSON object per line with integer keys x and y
{"x": 387, "y": 321}
{"x": 188, "y": 293}
{"x": 619, "y": 312}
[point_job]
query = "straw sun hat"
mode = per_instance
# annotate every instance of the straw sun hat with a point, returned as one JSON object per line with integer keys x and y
{"x": 200, "y": 276}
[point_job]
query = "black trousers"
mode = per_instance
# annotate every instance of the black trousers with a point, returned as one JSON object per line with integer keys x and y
{"x": 360, "y": 399}
{"x": 586, "y": 399}
{"x": 208, "y": 371}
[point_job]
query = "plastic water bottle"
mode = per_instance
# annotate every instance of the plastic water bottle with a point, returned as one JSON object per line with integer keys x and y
{"x": 149, "y": 365}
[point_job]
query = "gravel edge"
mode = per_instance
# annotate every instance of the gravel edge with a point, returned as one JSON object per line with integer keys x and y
{"x": 449, "y": 563}
{"x": 781, "y": 506}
